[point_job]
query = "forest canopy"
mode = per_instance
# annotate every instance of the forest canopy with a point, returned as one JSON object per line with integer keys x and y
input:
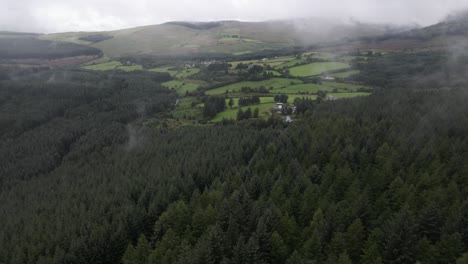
{"x": 92, "y": 171}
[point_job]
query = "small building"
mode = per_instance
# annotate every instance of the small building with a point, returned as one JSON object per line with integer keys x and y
{"x": 279, "y": 107}
{"x": 332, "y": 98}
{"x": 288, "y": 119}
{"x": 328, "y": 78}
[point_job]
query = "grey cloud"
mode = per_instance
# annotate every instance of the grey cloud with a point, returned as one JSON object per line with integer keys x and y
{"x": 92, "y": 15}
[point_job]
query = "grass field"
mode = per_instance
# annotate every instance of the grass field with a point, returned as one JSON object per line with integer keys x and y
{"x": 309, "y": 88}
{"x": 113, "y": 65}
{"x": 275, "y": 83}
{"x": 263, "y": 100}
{"x": 290, "y": 63}
{"x": 104, "y": 66}
{"x": 312, "y": 88}
{"x": 187, "y": 73}
{"x": 185, "y": 109}
{"x": 165, "y": 69}
{"x": 131, "y": 68}
{"x": 317, "y": 68}
{"x": 181, "y": 87}
{"x": 275, "y": 73}
{"x": 264, "y": 110}
{"x": 345, "y": 74}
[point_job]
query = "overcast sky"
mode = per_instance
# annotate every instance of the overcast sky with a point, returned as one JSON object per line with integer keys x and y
{"x": 49, "y": 16}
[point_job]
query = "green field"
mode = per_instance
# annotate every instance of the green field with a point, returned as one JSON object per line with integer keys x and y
{"x": 104, "y": 66}
{"x": 187, "y": 73}
{"x": 185, "y": 110}
{"x": 131, "y": 68}
{"x": 263, "y": 100}
{"x": 345, "y": 74}
{"x": 165, "y": 69}
{"x": 113, "y": 65}
{"x": 275, "y": 83}
{"x": 264, "y": 110}
{"x": 308, "y": 88}
{"x": 312, "y": 88}
{"x": 275, "y": 73}
{"x": 181, "y": 87}
{"x": 317, "y": 68}
{"x": 290, "y": 63}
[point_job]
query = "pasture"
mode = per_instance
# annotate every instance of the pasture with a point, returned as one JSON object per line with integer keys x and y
{"x": 185, "y": 73}
{"x": 181, "y": 87}
{"x": 165, "y": 69}
{"x": 275, "y": 83}
{"x": 264, "y": 111}
{"x": 185, "y": 110}
{"x": 317, "y": 68}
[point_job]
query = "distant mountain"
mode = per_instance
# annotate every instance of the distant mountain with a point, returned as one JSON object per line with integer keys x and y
{"x": 9, "y": 34}
{"x": 224, "y": 37}
{"x": 452, "y": 33}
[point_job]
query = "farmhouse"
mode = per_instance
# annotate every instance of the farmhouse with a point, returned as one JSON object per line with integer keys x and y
{"x": 279, "y": 107}
{"x": 328, "y": 78}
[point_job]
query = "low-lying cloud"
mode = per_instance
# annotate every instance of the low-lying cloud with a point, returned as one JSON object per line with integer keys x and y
{"x": 93, "y": 15}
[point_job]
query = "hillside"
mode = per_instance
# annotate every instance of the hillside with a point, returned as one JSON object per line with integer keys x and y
{"x": 225, "y": 37}
{"x": 29, "y": 49}
{"x": 450, "y": 33}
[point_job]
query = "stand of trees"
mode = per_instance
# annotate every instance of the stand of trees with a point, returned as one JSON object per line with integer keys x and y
{"x": 281, "y": 98}
{"x": 213, "y": 105}
{"x": 246, "y": 101}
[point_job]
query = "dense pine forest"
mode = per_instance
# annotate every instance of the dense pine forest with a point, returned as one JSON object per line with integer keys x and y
{"x": 90, "y": 172}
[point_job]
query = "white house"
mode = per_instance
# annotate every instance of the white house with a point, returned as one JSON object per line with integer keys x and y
{"x": 328, "y": 78}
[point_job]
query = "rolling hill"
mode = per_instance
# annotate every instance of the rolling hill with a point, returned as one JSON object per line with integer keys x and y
{"x": 223, "y": 37}
{"x": 28, "y": 48}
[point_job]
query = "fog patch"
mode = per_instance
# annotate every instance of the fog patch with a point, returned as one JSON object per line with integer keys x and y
{"x": 136, "y": 137}
{"x": 51, "y": 78}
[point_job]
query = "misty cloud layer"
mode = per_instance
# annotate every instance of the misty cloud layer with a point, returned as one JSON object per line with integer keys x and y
{"x": 92, "y": 15}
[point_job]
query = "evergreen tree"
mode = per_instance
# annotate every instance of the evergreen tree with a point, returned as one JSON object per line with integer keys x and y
{"x": 400, "y": 238}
